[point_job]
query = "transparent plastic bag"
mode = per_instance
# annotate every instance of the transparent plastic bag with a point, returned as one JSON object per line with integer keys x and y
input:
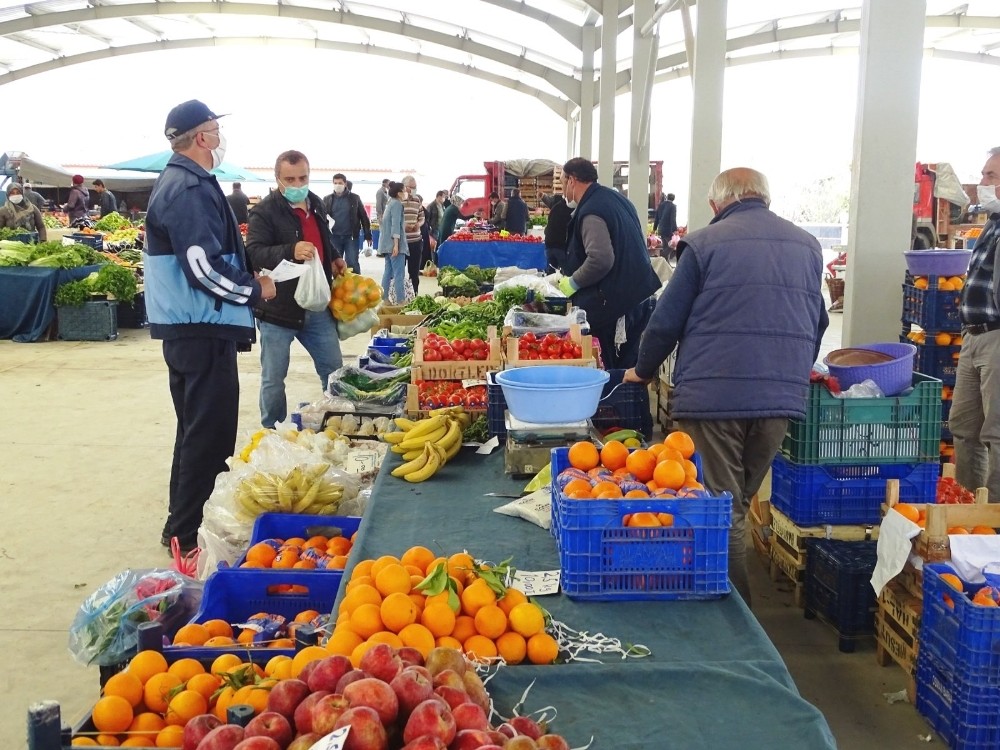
{"x": 367, "y": 387}
{"x": 521, "y": 321}
{"x": 539, "y": 284}
{"x": 865, "y": 389}
{"x": 105, "y": 630}
{"x": 313, "y": 290}
{"x": 353, "y": 294}
{"x": 360, "y": 323}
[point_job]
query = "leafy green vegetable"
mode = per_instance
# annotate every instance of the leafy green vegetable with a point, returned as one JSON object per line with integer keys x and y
{"x": 458, "y": 285}
{"x": 478, "y": 431}
{"x": 113, "y": 221}
{"x": 510, "y": 296}
{"x": 423, "y": 303}
{"x": 14, "y": 257}
{"x": 73, "y": 293}
{"x": 7, "y": 233}
{"x": 117, "y": 281}
{"x": 468, "y": 322}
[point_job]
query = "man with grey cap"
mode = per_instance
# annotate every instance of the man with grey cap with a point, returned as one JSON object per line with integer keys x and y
{"x": 199, "y": 300}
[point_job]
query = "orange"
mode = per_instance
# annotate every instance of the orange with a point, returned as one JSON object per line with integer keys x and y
{"x": 580, "y": 495}
{"x": 359, "y": 595}
{"x": 254, "y": 695}
{"x": 220, "y": 640}
{"x": 413, "y": 570}
{"x": 577, "y": 486}
{"x": 656, "y": 449}
{"x": 641, "y": 463}
{"x": 958, "y": 530}
{"x": 438, "y": 618}
{"x": 512, "y": 647}
{"x": 317, "y": 541}
{"x": 337, "y": 562}
{"x": 170, "y": 736}
{"x": 418, "y": 637}
{"x": 584, "y": 456}
{"x": 908, "y": 511}
{"x": 644, "y": 519}
{"x": 306, "y": 615}
{"x": 690, "y": 469}
{"x": 147, "y": 663}
{"x": 360, "y": 581}
{"x": 217, "y": 628}
{"x": 447, "y": 641}
{"x": 381, "y": 563}
{"x": 952, "y": 580}
{"x": 490, "y": 621}
{"x": 305, "y": 565}
{"x": 542, "y": 648}
{"x": 185, "y": 706}
{"x": 338, "y": 545}
{"x": 225, "y": 663}
{"x": 146, "y": 725}
{"x": 295, "y": 541}
{"x": 511, "y": 599}
{"x": 419, "y": 556}
{"x": 477, "y": 594}
{"x": 306, "y": 655}
{"x": 397, "y": 611}
{"x": 125, "y": 685}
{"x": 680, "y": 442}
{"x": 465, "y": 627}
{"x": 223, "y": 701}
{"x": 156, "y": 692}
{"x": 286, "y": 559}
{"x": 443, "y": 598}
{"x": 185, "y": 669}
{"x": 665, "y": 519}
{"x": 527, "y": 619}
{"x": 461, "y": 565}
{"x": 138, "y": 742}
{"x": 635, "y": 494}
{"x": 391, "y": 579}
{"x": 83, "y": 742}
{"x": 281, "y": 643}
{"x": 942, "y": 339}
{"x": 359, "y": 652}
{"x": 366, "y": 619}
{"x": 112, "y": 714}
{"x": 207, "y": 684}
{"x": 606, "y": 489}
{"x": 343, "y": 641}
{"x": 108, "y": 740}
{"x": 614, "y": 454}
{"x": 669, "y": 473}
{"x": 983, "y": 530}
{"x": 262, "y": 553}
{"x": 385, "y": 636}
{"x": 479, "y": 647}
{"x": 246, "y": 636}
{"x": 957, "y": 282}
{"x": 363, "y": 568}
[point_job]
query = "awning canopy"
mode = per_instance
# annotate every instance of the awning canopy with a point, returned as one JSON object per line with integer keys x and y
{"x": 157, "y": 162}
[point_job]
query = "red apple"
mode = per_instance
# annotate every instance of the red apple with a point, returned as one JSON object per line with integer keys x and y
{"x": 270, "y": 724}
{"x": 307, "y": 671}
{"x": 552, "y": 742}
{"x": 470, "y": 739}
{"x": 521, "y": 742}
{"x": 382, "y": 661}
{"x": 224, "y": 737}
{"x": 410, "y": 655}
{"x": 476, "y": 690}
{"x": 470, "y": 716}
{"x": 326, "y": 673}
{"x": 374, "y": 693}
{"x": 305, "y": 741}
{"x": 411, "y": 688}
{"x": 430, "y": 717}
{"x": 526, "y": 726}
{"x": 326, "y": 711}
{"x": 196, "y": 729}
{"x": 286, "y": 696}
{"x": 426, "y": 742}
{"x": 349, "y": 677}
{"x": 303, "y": 712}
{"x": 498, "y": 738}
{"x": 259, "y": 743}
{"x": 452, "y": 696}
{"x": 367, "y": 732}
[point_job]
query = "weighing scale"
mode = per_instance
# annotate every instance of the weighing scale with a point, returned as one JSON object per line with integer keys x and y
{"x": 529, "y": 445}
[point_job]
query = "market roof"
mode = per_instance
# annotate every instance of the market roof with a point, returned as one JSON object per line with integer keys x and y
{"x": 533, "y": 46}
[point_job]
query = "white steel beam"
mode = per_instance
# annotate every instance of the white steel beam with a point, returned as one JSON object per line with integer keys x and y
{"x": 609, "y": 54}
{"x": 644, "y": 48}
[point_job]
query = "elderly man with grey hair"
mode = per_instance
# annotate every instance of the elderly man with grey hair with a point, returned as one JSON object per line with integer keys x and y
{"x": 745, "y": 311}
{"x": 414, "y": 218}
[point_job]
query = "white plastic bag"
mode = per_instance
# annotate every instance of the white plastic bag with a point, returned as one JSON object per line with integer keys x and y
{"x": 313, "y": 290}
{"x": 361, "y": 324}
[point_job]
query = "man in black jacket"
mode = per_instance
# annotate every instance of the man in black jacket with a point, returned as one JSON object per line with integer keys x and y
{"x": 105, "y": 198}
{"x": 239, "y": 202}
{"x": 347, "y": 218}
{"x": 556, "y": 228}
{"x": 292, "y": 224}
{"x": 666, "y": 219}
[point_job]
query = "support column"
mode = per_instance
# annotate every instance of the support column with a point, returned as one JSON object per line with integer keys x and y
{"x": 588, "y": 47}
{"x": 644, "y": 48}
{"x": 709, "y": 65}
{"x": 609, "y": 53}
{"x": 885, "y": 146}
{"x": 572, "y": 128}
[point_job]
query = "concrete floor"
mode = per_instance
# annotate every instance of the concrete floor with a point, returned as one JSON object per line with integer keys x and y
{"x": 86, "y": 456}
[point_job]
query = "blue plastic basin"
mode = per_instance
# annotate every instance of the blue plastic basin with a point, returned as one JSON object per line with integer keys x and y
{"x": 552, "y": 394}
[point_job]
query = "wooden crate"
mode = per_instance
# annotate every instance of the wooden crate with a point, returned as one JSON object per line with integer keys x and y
{"x": 398, "y": 320}
{"x": 912, "y": 580}
{"x": 586, "y": 342}
{"x": 454, "y": 370}
{"x": 897, "y": 628}
{"x": 791, "y": 565}
{"x": 413, "y": 410}
{"x": 759, "y": 516}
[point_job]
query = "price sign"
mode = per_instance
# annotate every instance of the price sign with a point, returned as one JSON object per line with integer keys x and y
{"x": 362, "y": 462}
{"x": 333, "y": 741}
{"x": 536, "y": 582}
{"x": 470, "y": 382}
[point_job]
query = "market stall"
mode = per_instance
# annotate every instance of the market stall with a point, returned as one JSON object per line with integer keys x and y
{"x": 492, "y": 254}
{"x": 27, "y": 311}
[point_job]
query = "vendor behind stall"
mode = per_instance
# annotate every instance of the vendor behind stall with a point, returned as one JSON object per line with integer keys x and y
{"x": 20, "y": 213}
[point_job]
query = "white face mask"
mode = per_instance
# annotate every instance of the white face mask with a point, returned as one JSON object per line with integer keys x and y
{"x": 571, "y": 204}
{"x": 987, "y": 197}
{"x": 338, "y": 189}
{"x": 15, "y": 199}
{"x": 219, "y": 152}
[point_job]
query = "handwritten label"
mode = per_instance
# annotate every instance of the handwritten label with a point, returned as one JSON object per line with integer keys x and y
{"x": 333, "y": 741}
{"x": 362, "y": 462}
{"x": 536, "y": 582}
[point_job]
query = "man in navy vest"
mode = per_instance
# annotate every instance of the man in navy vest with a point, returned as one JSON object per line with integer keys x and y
{"x": 606, "y": 269}
{"x": 745, "y": 311}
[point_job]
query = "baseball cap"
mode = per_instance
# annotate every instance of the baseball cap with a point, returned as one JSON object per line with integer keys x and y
{"x": 187, "y": 115}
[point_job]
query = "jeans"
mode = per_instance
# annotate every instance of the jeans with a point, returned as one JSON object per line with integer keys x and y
{"x": 395, "y": 272}
{"x": 319, "y": 337}
{"x": 736, "y": 455}
{"x": 348, "y": 249}
{"x": 416, "y": 250}
{"x": 205, "y": 389}
{"x": 974, "y": 419}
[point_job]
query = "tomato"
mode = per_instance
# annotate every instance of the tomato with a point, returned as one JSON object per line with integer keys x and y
{"x": 478, "y": 344}
{"x": 567, "y": 355}
{"x": 551, "y": 338}
{"x": 454, "y": 400}
{"x": 480, "y": 354}
{"x": 447, "y": 353}
{"x": 577, "y": 351}
{"x": 459, "y": 345}
{"x": 432, "y": 355}
{"x": 554, "y": 350}
{"x": 529, "y": 338}
{"x": 567, "y": 346}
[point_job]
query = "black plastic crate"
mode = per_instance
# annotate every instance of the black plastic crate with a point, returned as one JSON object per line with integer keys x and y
{"x": 496, "y": 406}
{"x": 133, "y": 314}
{"x": 91, "y": 321}
{"x": 838, "y": 588}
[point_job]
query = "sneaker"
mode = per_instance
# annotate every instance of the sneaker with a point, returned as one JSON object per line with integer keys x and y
{"x": 165, "y": 539}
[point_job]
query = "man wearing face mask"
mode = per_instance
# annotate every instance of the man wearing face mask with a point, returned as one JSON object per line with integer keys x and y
{"x": 745, "y": 310}
{"x": 199, "y": 300}
{"x": 974, "y": 419}
{"x": 347, "y": 217}
{"x": 292, "y": 224}
{"x": 606, "y": 268}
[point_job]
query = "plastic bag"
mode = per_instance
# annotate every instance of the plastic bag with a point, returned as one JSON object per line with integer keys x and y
{"x": 367, "y": 387}
{"x": 360, "y": 323}
{"x": 313, "y": 290}
{"x": 105, "y": 630}
{"x": 539, "y": 284}
{"x": 352, "y": 295}
{"x": 408, "y": 293}
{"x": 865, "y": 389}
{"x": 521, "y": 322}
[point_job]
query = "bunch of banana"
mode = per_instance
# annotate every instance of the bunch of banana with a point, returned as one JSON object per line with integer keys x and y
{"x": 427, "y": 444}
{"x": 306, "y": 490}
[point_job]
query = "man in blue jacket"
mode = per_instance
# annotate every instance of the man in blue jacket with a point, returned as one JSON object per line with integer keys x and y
{"x": 199, "y": 301}
{"x": 745, "y": 310}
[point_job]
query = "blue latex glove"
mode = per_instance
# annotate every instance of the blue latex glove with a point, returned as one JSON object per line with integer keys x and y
{"x": 567, "y": 286}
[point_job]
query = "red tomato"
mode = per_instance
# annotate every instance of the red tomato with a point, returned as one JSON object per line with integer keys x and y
{"x": 529, "y": 338}
{"x": 432, "y": 355}
{"x": 459, "y": 345}
{"x": 577, "y": 351}
{"x": 447, "y": 353}
{"x": 567, "y": 346}
{"x": 478, "y": 344}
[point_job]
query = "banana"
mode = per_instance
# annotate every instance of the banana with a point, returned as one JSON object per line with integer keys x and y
{"x": 453, "y": 435}
{"x": 394, "y": 438}
{"x": 412, "y": 454}
{"x": 307, "y": 499}
{"x": 397, "y": 449}
{"x": 426, "y": 427}
{"x": 451, "y": 452}
{"x": 412, "y": 443}
{"x": 411, "y": 466}
{"x": 465, "y": 419}
{"x": 442, "y": 454}
{"x": 431, "y": 465}
{"x": 404, "y": 424}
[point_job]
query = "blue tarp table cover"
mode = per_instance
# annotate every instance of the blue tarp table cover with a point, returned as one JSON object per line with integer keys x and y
{"x": 492, "y": 254}
{"x": 27, "y": 295}
{"x": 714, "y": 679}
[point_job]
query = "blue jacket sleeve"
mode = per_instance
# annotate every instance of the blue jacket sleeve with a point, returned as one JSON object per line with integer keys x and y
{"x": 667, "y": 323}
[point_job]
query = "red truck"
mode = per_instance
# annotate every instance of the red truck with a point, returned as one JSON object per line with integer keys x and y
{"x": 936, "y": 214}
{"x": 534, "y": 177}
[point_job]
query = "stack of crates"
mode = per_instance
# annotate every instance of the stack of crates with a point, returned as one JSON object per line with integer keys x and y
{"x": 829, "y": 479}
{"x": 931, "y": 322}
{"x": 838, "y": 587}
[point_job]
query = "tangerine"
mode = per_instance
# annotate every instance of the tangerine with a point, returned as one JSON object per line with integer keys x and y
{"x": 614, "y": 454}
{"x": 641, "y": 464}
{"x": 147, "y": 663}
{"x": 575, "y": 486}
{"x": 479, "y": 647}
{"x": 207, "y": 684}
{"x": 908, "y": 511}
{"x": 983, "y": 530}
{"x": 644, "y": 519}
{"x": 397, "y": 611}
{"x": 146, "y": 726}
{"x": 952, "y": 580}
{"x": 218, "y": 628}
{"x": 542, "y": 649}
{"x": 125, "y": 685}
{"x": 170, "y": 736}
{"x": 156, "y": 692}
{"x": 670, "y": 474}
{"x": 465, "y": 627}
{"x": 112, "y": 714}
{"x": 366, "y": 619}
{"x": 185, "y": 669}
{"x": 510, "y": 599}
{"x": 490, "y": 621}
{"x": 438, "y": 618}
{"x": 393, "y": 578}
{"x": 584, "y": 456}
{"x": 343, "y": 641}
{"x": 512, "y": 647}
{"x": 306, "y": 655}
{"x": 185, "y": 706}
{"x": 419, "y": 637}
{"x": 527, "y": 619}
{"x": 680, "y": 442}
{"x": 262, "y": 553}
{"x": 419, "y": 556}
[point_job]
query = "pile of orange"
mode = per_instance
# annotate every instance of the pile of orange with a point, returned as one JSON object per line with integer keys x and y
{"x": 662, "y": 470}
{"x": 918, "y": 514}
{"x": 944, "y": 284}
{"x": 382, "y": 605}
{"x": 220, "y": 634}
{"x": 316, "y": 552}
{"x": 148, "y": 704}
{"x": 986, "y": 596}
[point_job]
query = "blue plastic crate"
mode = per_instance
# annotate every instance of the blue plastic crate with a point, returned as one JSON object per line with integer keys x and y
{"x": 838, "y": 588}
{"x": 939, "y": 362}
{"x": 955, "y": 631}
{"x": 602, "y": 560}
{"x": 389, "y": 345}
{"x": 289, "y": 525}
{"x": 848, "y": 493}
{"x": 901, "y": 429}
{"x": 931, "y": 308}
{"x": 966, "y": 716}
{"x": 29, "y": 238}
{"x": 95, "y": 241}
